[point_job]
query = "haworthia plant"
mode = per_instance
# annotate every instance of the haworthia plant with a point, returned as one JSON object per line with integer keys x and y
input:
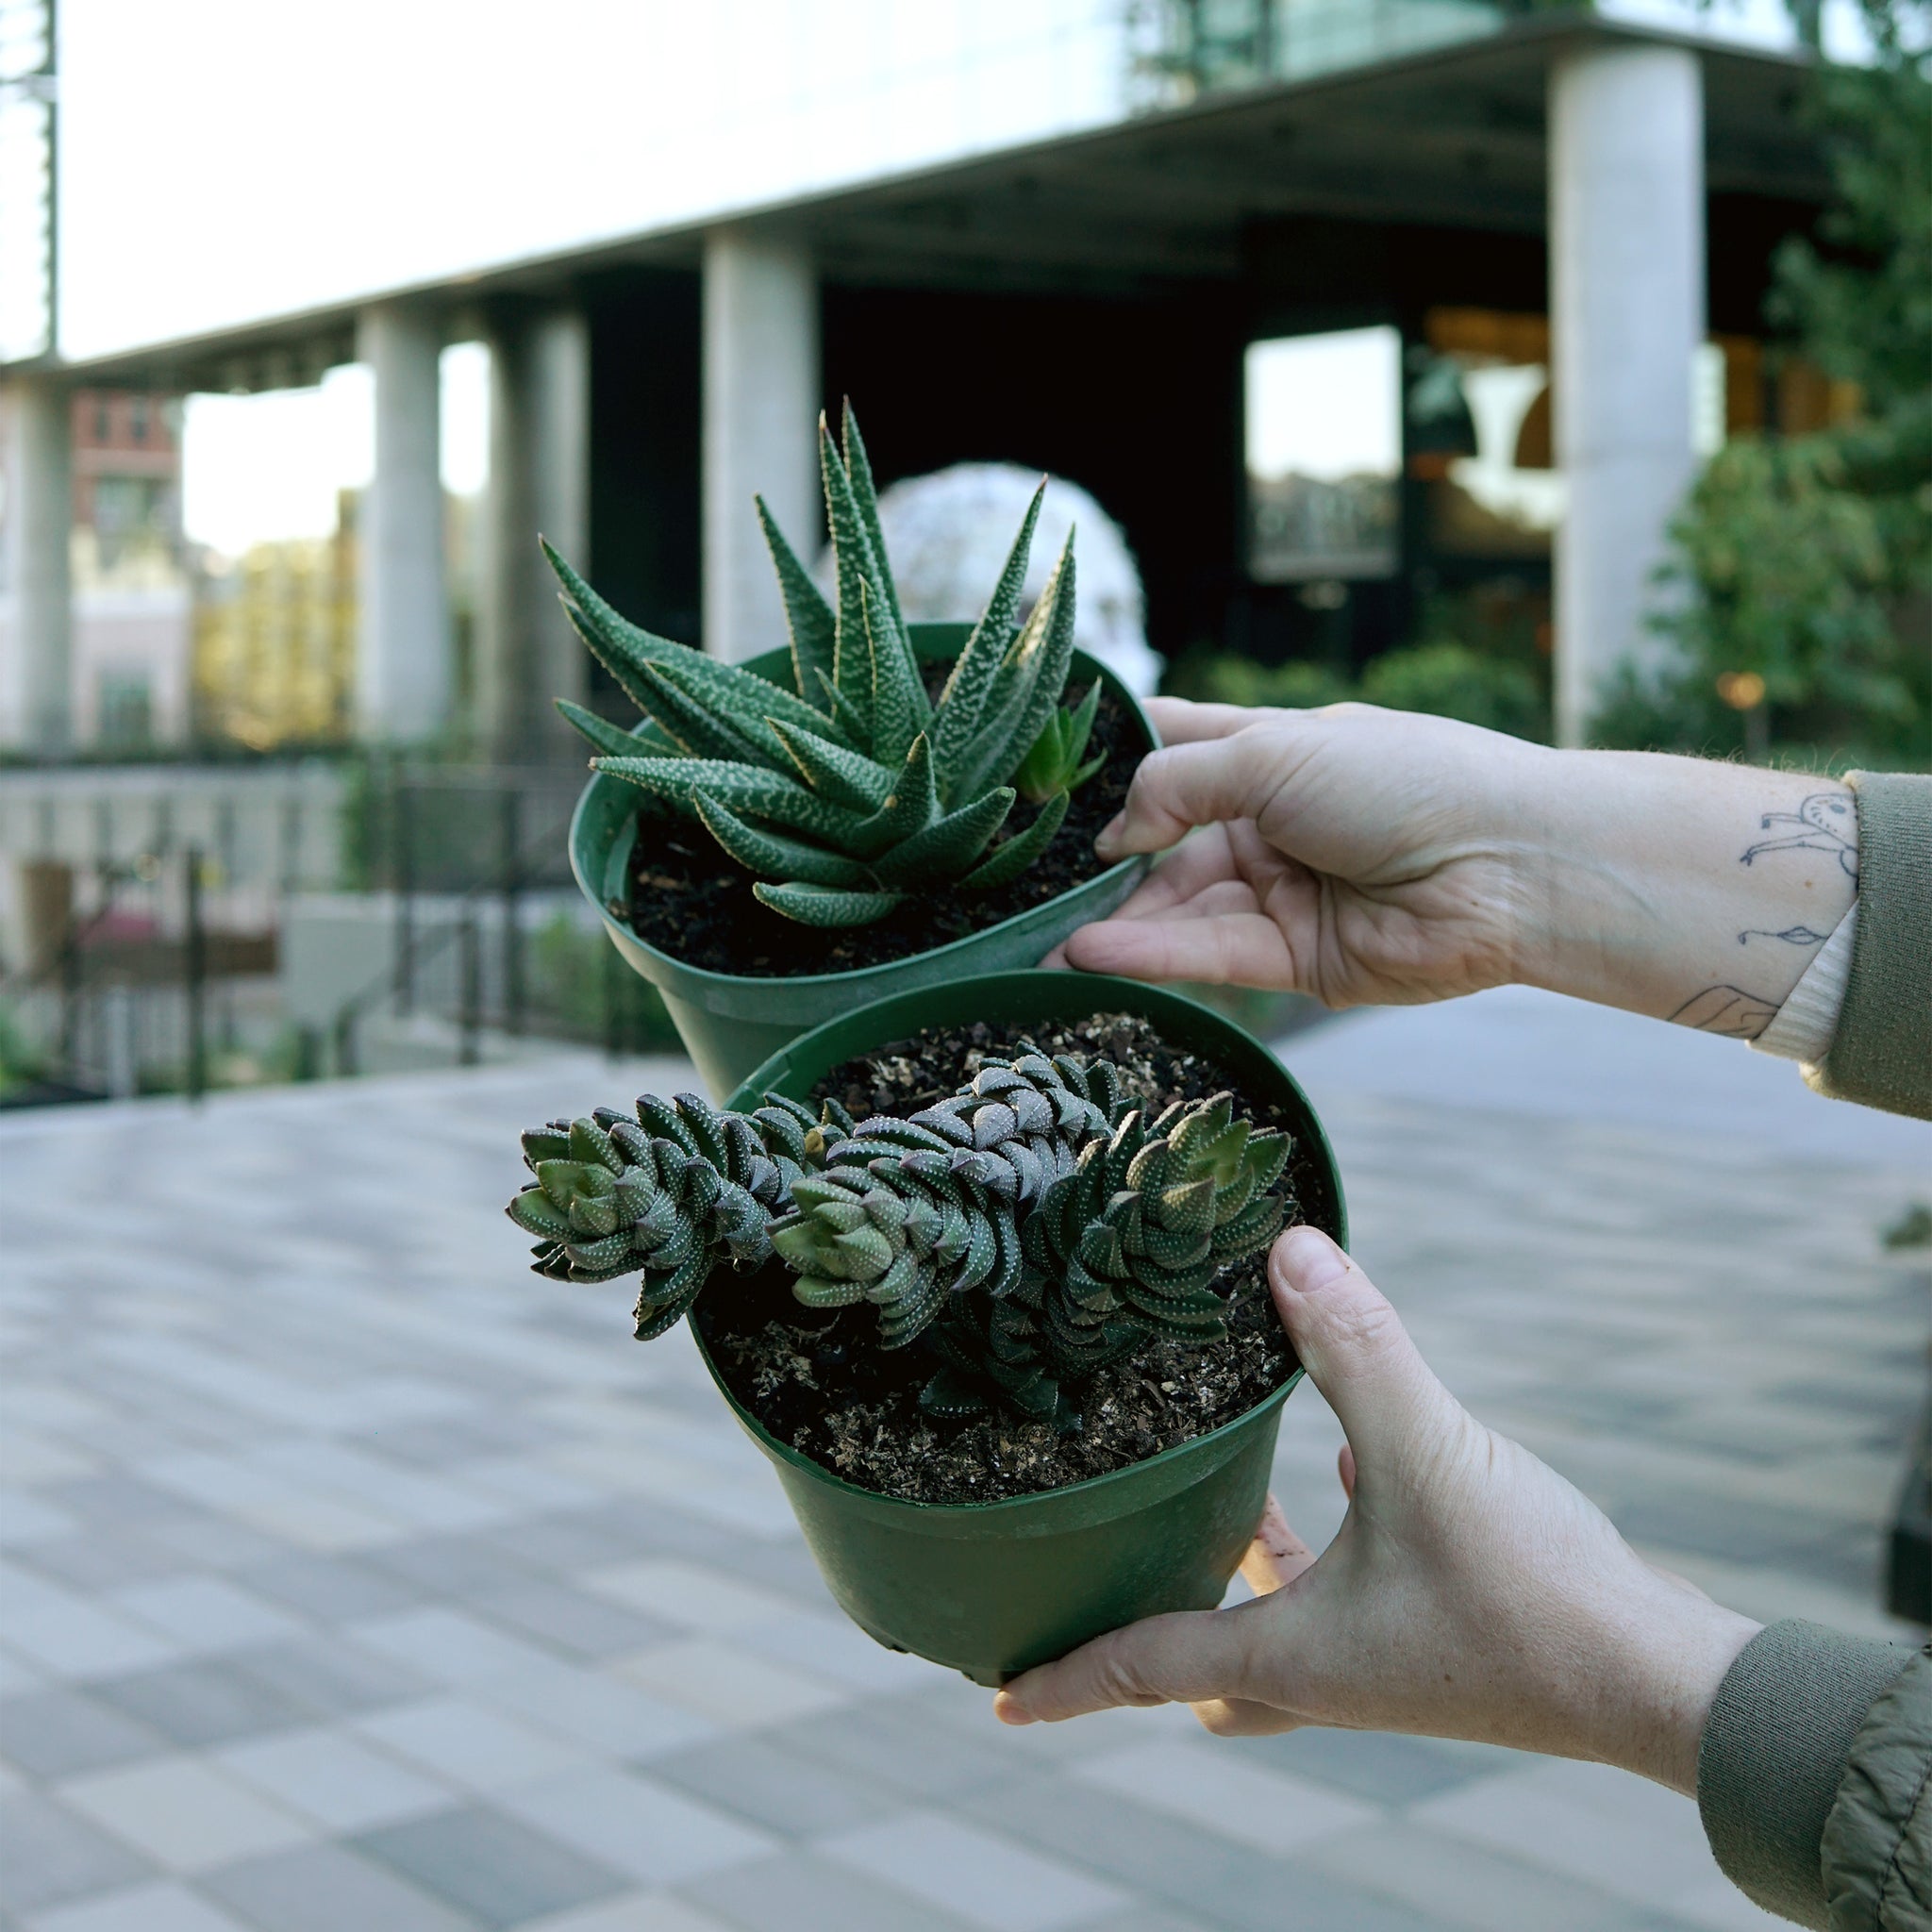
{"x": 1027, "y": 1231}
{"x": 854, "y": 791}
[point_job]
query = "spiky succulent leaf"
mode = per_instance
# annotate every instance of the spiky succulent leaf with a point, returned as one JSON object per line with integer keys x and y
{"x": 1021, "y": 850}
{"x": 1055, "y": 762}
{"x": 813, "y": 628}
{"x": 851, "y": 565}
{"x": 625, "y": 648}
{"x": 874, "y": 659}
{"x": 772, "y": 855}
{"x": 865, "y": 494}
{"x": 909, "y": 808}
{"x": 842, "y": 710}
{"x": 948, "y": 845}
{"x": 1028, "y": 684}
{"x": 965, "y": 695}
{"x": 745, "y": 787}
{"x": 701, "y": 731}
{"x": 846, "y": 778}
{"x": 899, "y": 711}
{"x": 826, "y": 904}
{"x": 613, "y": 741}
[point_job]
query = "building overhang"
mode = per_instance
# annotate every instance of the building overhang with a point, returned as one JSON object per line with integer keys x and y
{"x": 1452, "y": 138}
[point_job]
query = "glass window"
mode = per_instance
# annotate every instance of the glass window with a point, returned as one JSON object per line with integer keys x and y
{"x": 1479, "y": 433}
{"x": 126, "y": 710}
{"x": 1323, "y": 455}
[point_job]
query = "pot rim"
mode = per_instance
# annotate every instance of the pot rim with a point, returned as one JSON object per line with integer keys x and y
{"x": 937, "y": 1516}
{"x": 812, "y": 982}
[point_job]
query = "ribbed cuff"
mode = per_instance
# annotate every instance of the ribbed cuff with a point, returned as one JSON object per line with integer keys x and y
{"x": 1803, "y": 1027}
{"x": 1773, "y": 1751}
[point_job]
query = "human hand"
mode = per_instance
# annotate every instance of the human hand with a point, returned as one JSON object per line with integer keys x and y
{"x": 1386, "y": 857}
{"x": 1470, "y": 1591}
{"x": 1357, "y": 854}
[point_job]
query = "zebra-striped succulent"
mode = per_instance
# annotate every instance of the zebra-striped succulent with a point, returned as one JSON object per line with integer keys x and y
{"x": 854, "y": 791}
{"x": 908, "y": 1212}
{"x": 1033, "y": 1228}
{"x": 672, "y": 1192}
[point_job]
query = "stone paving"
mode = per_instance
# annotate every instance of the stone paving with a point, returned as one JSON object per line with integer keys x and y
{"x": 357, "y": 1581}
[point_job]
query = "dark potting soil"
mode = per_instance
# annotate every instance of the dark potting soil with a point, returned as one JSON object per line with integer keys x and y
{"x": 690, "y": 900}
{"x": 818, "y": 1382}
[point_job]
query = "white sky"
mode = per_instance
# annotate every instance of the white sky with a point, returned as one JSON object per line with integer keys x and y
{"x": 255, "y": 468}
{"x": 1326, "y": 405}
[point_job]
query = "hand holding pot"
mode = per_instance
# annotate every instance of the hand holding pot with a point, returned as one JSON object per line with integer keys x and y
{"x": 1470, "y": 1591}
{"x": 1384, "y": 858}
{"x": 1363, "y": 855}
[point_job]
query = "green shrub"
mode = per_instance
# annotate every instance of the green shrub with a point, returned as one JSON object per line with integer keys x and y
{"x": 1452, "y": 681}
{"x": 1447, "y": 679}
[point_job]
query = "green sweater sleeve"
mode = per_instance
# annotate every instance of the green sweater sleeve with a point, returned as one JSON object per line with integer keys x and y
{"x": 1877, "y": 1849}
{"x": 1881, "y": 1055}
{"x": 1773, "y": 1756}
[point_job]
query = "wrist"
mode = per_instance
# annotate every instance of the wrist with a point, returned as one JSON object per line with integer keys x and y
{"x": 1667, "y": 1664}
{"x": 1677, "y": 887}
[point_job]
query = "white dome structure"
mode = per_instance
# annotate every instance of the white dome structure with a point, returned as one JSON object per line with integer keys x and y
{"x": 948, "y": 535}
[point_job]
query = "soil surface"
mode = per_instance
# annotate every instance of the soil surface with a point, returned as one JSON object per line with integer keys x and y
{"x": 818, "y": 1381}
{"x": 690, "y": 900}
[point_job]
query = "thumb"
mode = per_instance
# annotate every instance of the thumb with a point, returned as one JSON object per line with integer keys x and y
{"x": 1187, "y": 1656}
{"x": 1353, "y": 1344}
{"x": 1201, "y": 783}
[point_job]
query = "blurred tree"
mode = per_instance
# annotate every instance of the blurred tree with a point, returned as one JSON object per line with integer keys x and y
{"x": 1803, "y": 565}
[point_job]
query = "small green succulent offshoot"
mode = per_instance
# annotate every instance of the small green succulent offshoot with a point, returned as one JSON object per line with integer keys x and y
{"x": 1029, "y": 1230}
{"x": 1053, "y": 764}
{"x": 854, "y": 791}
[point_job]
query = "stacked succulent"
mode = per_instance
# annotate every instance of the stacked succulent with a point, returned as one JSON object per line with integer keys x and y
{"x": 1033, "y": 1227}
{"x": 854, "y": 791}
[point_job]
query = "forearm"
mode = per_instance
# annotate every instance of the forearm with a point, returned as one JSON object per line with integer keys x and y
{"x": 1687, "y": 890}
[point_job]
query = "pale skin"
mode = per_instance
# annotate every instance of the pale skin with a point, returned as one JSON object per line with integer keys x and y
{"x": 1379, "y": 857}
{"x": 1368, "y": 857}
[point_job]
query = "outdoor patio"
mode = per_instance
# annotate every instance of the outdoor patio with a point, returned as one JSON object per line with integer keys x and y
{"x": 357, "y": 1581}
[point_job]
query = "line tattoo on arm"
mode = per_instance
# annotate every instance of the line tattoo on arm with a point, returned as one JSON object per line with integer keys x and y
{"x": 1825, "y": 822}
{"x": 1728, "y": 1011}
{"x": 1792, "y": 935}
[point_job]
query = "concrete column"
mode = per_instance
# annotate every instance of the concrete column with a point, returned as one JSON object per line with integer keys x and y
{"x": 540, "y": 483}
{"x": 1626, "y": 315}
{"x": 761, "y": 407}
{"x": 35, "y": 686}
{"x": 405, "y": 675}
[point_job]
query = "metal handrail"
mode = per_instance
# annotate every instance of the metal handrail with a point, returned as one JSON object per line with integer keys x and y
{"x": 395, "y": 979}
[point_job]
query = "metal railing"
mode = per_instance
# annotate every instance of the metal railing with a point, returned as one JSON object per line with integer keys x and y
{"x": 441, "y": 966}
{"x": 468, "y": 934}
{"x": 135, "y": 982}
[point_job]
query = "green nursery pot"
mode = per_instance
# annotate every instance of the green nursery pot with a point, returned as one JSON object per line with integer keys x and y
{"x": 992, "y": 1589}
{"x": 730, "y": 1022}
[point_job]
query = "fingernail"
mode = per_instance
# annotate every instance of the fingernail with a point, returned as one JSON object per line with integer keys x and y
{"x": 1009, "y": 1713}
{"x": 1308, "y": 1260}
{"x": 1106, "y": 842}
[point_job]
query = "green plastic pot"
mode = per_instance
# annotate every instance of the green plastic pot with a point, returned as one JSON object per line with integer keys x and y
{"x": 730, "y": 1022}
{"x": 992, "y": 1589}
